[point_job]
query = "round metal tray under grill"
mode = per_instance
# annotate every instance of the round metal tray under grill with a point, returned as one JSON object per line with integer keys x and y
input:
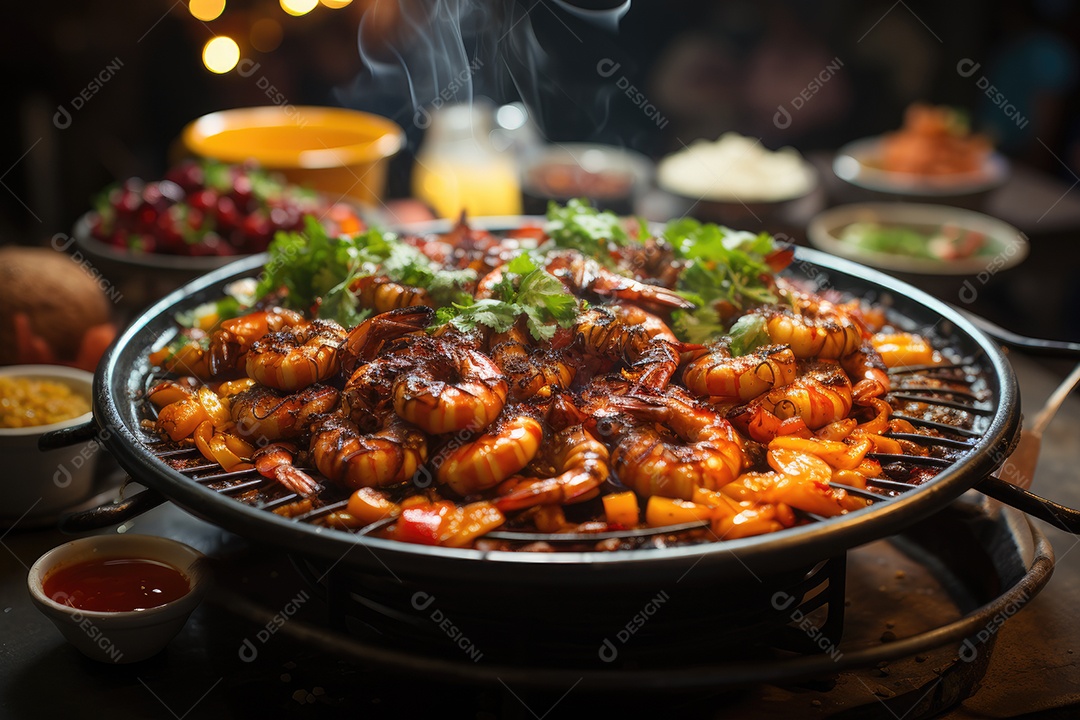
{"x": 984, "y": 563}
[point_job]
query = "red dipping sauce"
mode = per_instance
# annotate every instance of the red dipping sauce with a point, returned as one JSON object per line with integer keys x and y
{"x": 116, "y": 584}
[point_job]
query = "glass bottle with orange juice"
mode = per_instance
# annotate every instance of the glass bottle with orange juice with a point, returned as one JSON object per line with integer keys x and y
{"x": 458, "y": 168}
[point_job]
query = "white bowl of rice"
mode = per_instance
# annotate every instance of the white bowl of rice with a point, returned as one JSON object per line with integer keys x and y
{"x": 736, "y": 180}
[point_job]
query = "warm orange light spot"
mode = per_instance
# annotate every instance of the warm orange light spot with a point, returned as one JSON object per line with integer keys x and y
{"x": 266, "y": 35}
{"x": 298, "y": 7}
{"x": 206, "y": 10}
{"x": 221, "y": 54}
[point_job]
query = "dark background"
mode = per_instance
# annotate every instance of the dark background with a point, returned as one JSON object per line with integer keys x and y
{"x": 706, "y": 66}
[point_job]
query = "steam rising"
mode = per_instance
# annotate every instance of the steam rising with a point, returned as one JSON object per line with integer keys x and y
{"x": 420, "y": 55}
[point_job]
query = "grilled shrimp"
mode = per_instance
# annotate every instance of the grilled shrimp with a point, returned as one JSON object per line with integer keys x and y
{"x": 821, "y": 395}
{"x": 182, "y": 409}
{"x": 654, "y": 258}
{"x": 230, "y": 343}
{"x": 813, "y": 327}
{"x": 504, "y": 449}
{"x": 744, "y": 378}
{"x": 381, "y": 294}
{"x": 449, "y": 388}
{"x": 580, "y": 462}
{"x": 296, "y": 357}
{"x": 583, "y": 274}
{"x": 652, "y": 360}
{"x": 264, "y": 413}
{"x": 388, "y": 456}
{"x": 866, "y": 363}
{"x": 366, "y": 340}
{"x": 369, "y": 391}
{"x": 185, "y": 355}
{"x": 275, "y": 461}
{"x": 530, "y": 369}
{"x": 653, "y": 325}
{"x": 706, "y": 453}
{"x": 798, "y": 479}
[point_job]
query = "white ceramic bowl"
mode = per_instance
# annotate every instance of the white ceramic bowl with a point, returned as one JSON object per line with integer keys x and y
{"x": 858, "y": 163}
{"x": 1005, "y": 245}
{"x": 739, "y": 183}
{"x": 119, "y": 637}
{"x": 36, "y": 483}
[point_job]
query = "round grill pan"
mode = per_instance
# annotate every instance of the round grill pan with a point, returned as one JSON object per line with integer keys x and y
{"x": 122, "y": 374}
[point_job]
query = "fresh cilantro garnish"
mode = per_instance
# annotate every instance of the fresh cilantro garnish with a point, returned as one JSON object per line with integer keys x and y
{"x": 748, "y": 334}
{"x": 524, "y": 289}
{"x": 317, "y": 271}
{"x": 580, "y": 226}
{"x": 700, "y": 325}
{"x": 542, "y": 298}
{"x": 726, "y": 267}
{"x": 523, "y": 264}
{"x": 405, "y": 264}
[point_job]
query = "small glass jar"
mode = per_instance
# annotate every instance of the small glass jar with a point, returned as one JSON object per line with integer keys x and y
{"x": 458, "y": 168}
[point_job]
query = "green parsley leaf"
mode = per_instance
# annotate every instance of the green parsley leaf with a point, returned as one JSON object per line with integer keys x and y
{"x": 538, "y": 295}
{"x": 700, "y": 325}
{"x": 317, "y": 271}
{"x": 406, "y": 265}
{"x": 523, "y": 264}
{"x": 542, "y": 290}
{"x": 580, "y": 226}
{"x": 726, "y": 266}
{"x": 748, "y": 334}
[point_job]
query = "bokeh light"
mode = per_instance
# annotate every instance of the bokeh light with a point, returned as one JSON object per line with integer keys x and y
{"x": 206, "y": 10}
{"x": 298, "y": 7}
{"x": 266, "y": 35}
{"x": 221, "y": 54}
{"x": 335, "y": 4}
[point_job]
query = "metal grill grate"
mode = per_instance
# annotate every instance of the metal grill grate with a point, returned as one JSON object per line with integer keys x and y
{"x": 943, "y": 399}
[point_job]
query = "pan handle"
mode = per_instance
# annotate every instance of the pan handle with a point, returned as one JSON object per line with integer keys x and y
{"x": 112, "y": 513}
{"x": 1035, "y": 346}
{"x": 65, "y": 437}
{"x": 1064, "y": 518}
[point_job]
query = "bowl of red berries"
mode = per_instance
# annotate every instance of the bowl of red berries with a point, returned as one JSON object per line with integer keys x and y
{"x": 149, "y": 238}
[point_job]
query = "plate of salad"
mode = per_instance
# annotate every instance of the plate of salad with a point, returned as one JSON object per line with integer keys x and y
{"x": 915, "y": 238}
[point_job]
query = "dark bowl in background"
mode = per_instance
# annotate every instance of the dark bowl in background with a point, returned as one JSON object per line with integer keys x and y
{"x": 611, "y": 178}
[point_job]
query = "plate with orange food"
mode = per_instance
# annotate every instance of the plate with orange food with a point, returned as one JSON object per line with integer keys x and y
{"x": 934, "y": 154}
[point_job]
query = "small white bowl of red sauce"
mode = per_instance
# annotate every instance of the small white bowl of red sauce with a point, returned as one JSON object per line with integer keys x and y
{"x": 118, "y": 598}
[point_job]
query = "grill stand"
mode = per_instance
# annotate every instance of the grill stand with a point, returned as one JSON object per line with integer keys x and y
{"x": 966, "y": 567}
